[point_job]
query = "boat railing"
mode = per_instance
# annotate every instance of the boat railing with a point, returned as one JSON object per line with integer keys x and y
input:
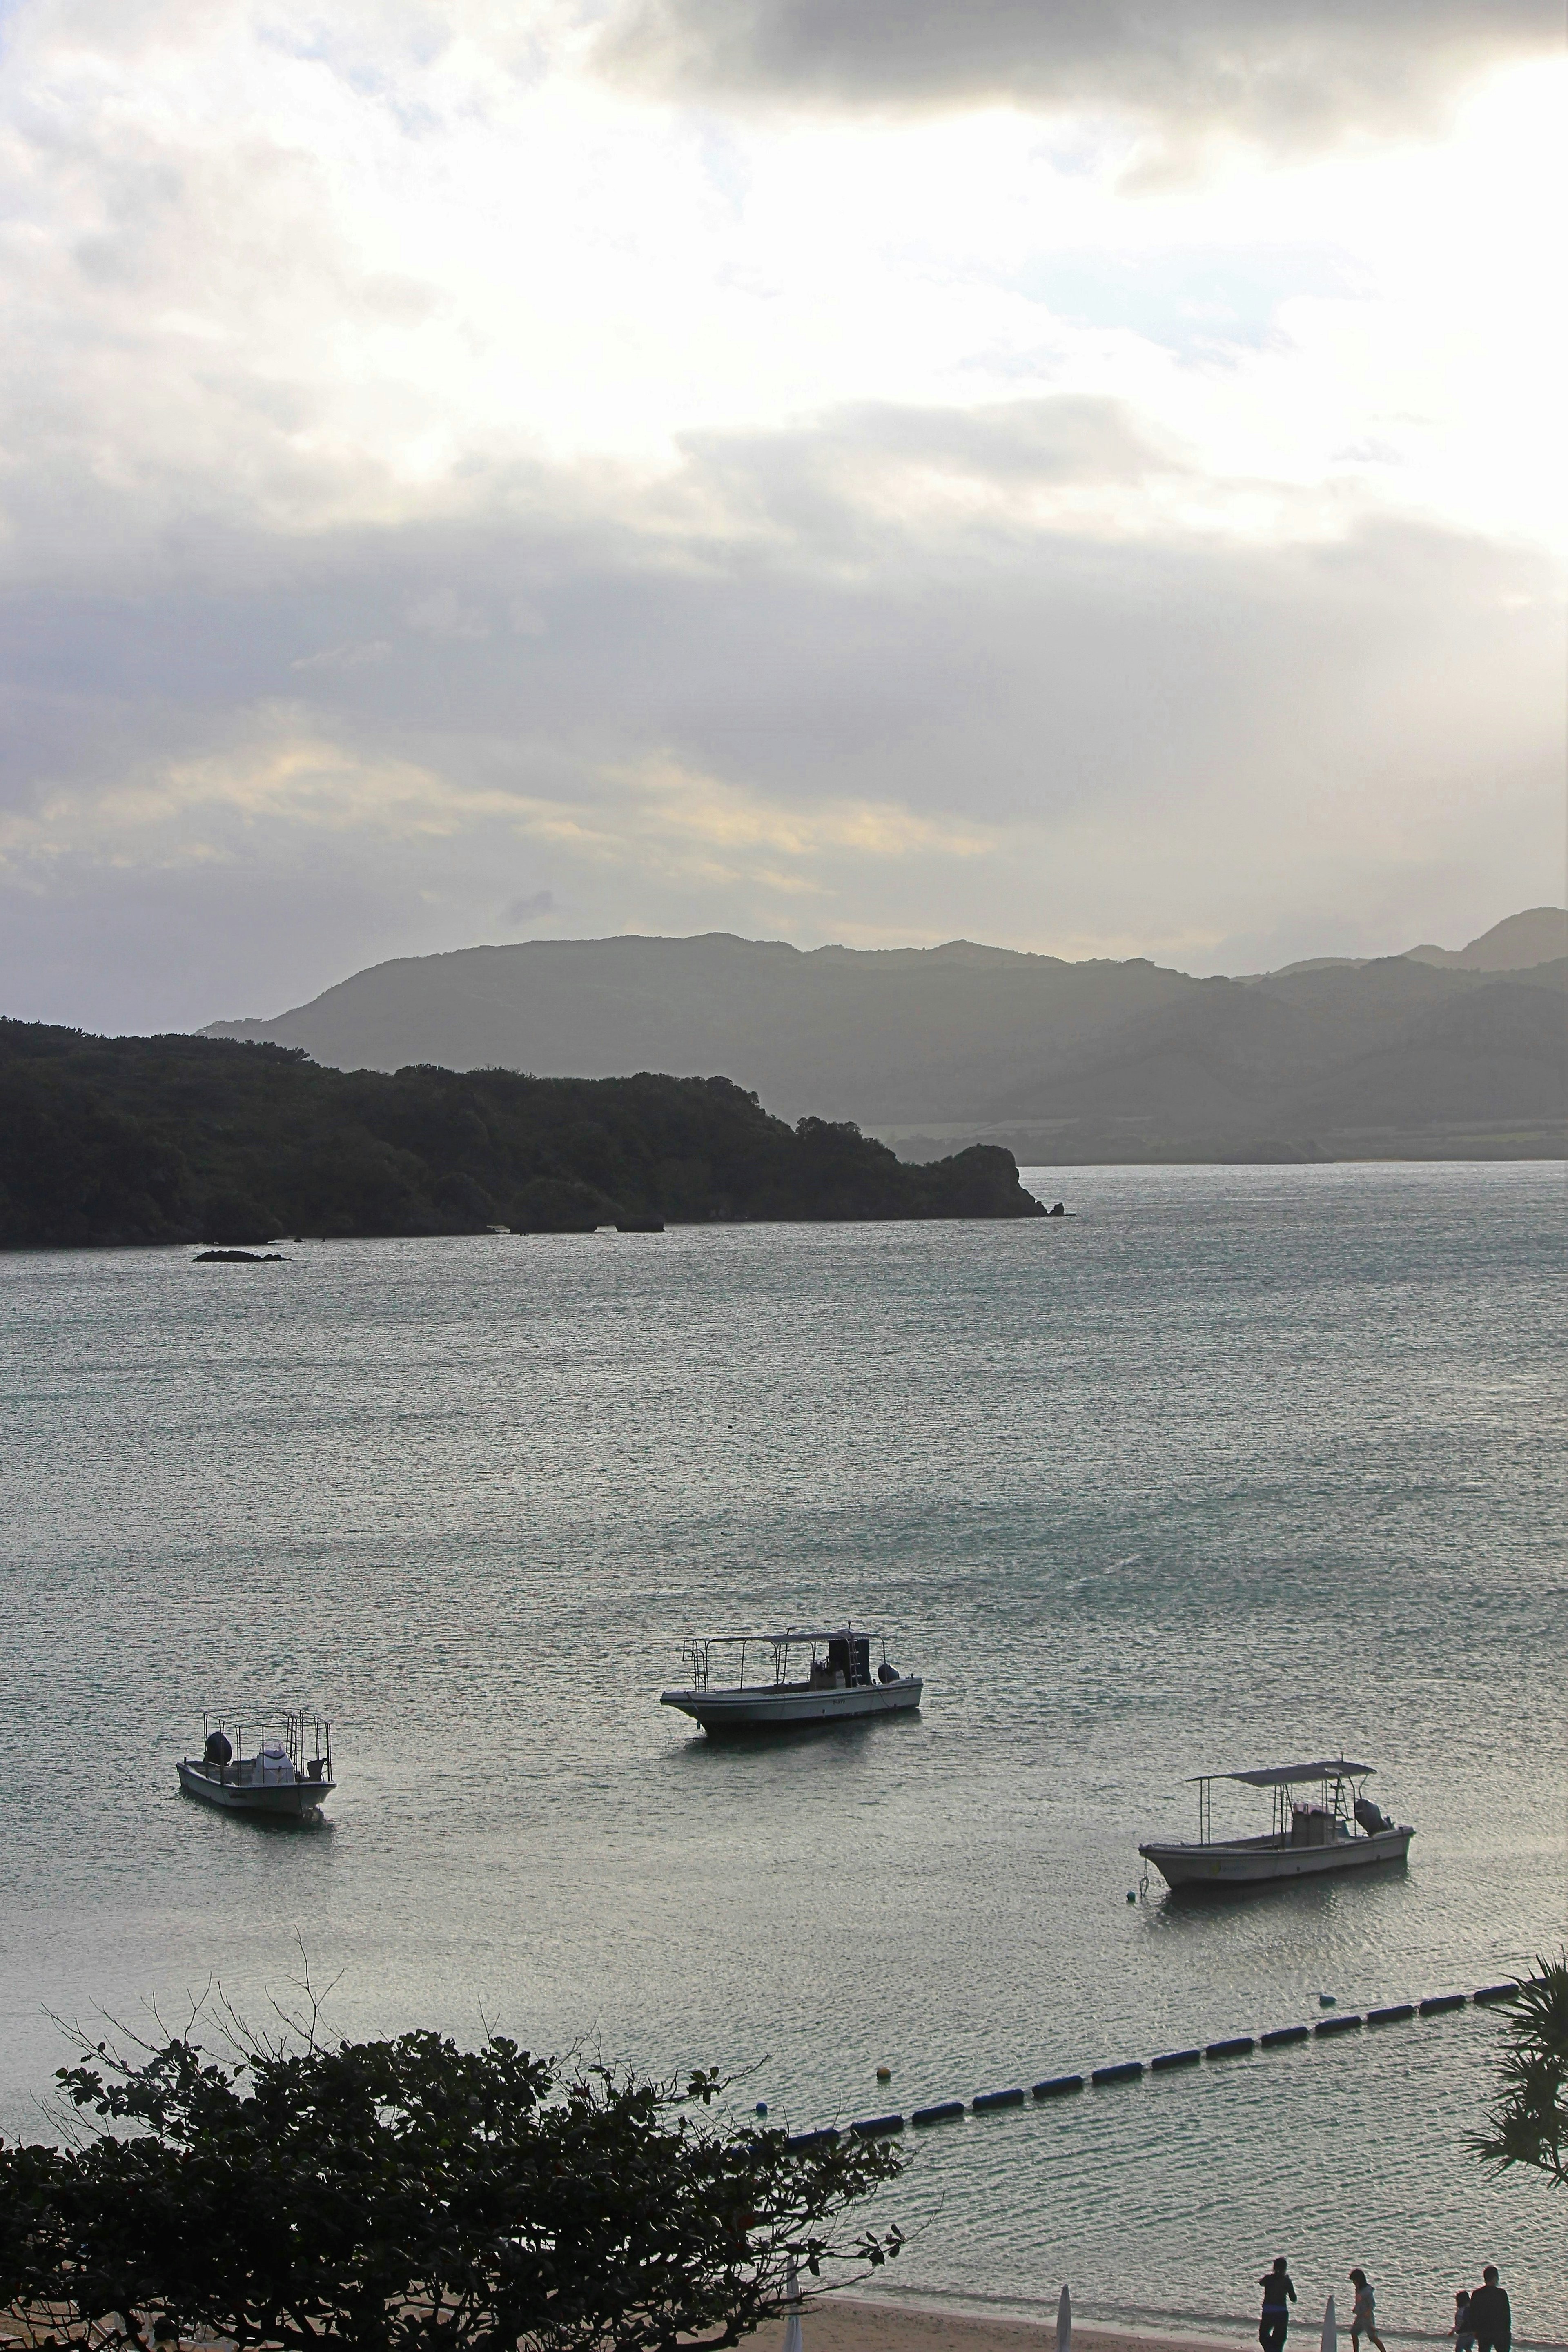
{"x": 305, "y": 1739}
{"x": 1339, "y": 1785}
{"x": 797, "y": 1647}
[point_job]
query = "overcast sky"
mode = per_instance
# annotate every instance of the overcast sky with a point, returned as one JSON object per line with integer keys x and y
{"x": 1075, "y": 475}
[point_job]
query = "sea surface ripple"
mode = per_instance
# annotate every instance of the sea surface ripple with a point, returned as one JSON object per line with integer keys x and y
{"x": 1235, "y": 1464}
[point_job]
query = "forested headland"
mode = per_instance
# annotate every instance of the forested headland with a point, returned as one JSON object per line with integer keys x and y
{"x": 177, "y": 1139}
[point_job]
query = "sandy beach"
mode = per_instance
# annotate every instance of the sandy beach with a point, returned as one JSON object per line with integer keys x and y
{"x": 840, "y": 2325}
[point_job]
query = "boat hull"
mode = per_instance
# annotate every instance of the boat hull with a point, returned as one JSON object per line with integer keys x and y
{"x": 288, "y": 1800}
{"x": 775, "y": 1708}
{"x": 1268, "y": 1862}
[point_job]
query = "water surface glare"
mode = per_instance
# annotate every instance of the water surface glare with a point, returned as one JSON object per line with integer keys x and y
{"x": 1237, "y": 1463}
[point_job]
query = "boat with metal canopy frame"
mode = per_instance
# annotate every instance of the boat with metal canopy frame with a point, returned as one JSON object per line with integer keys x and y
{"x": 799, "y": 1677}
{"x": 1342, "y": 1829}
{"x": 286, "y": 1776}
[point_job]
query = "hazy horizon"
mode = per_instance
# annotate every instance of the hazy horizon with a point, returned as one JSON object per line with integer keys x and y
{"x": 483, "y": 473}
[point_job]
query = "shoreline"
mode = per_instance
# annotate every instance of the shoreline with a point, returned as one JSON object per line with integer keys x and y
{"x": 913, "y": 2323}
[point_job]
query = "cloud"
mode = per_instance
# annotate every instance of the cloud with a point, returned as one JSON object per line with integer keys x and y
{"x": 1295, "y": 73}
{"x": 429, "y": 462}
{"x": 528, "y": 909}
{"x": 889, "y": 674}
{"x": 342, "y": 658}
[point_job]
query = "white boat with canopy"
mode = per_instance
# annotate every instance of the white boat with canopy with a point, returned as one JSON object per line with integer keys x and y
{"x": 766, "y": 1682}
{"x": 1323, "y": 1821}
{"x": 287, "y": 1773}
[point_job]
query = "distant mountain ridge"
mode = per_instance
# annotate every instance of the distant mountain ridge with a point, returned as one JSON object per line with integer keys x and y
{"x": 1518, "y": 943}
{"x": 1434, "y": 1054}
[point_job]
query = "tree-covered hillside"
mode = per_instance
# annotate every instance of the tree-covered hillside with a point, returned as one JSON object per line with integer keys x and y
{"x": 108, "y": 1140}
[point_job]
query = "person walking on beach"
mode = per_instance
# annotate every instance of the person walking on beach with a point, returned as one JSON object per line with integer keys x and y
{"x": 1278, "y": 2295}
{"x": 1364, "y": 2313}
{"x": 1490, "y": 2318}
{"x": 1464, "y": 2328}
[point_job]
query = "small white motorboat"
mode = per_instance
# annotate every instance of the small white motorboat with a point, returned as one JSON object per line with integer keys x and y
{"x": 1333, "y": 1826}
{"x": 287, "y": 1774}
{"x": 799, "y": 1677}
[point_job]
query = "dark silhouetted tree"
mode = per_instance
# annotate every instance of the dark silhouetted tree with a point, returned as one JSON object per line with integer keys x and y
{"x": 411, "y": 2196}
{"x": 1529, "y": 2125}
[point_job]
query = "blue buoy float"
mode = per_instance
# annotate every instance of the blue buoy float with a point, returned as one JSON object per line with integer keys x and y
{"x": 1129, "y": 2069}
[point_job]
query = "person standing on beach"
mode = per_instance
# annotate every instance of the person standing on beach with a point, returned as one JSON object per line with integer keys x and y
{"x": 1278, "y": 2295}
{"x": 1490, "y": 2316}
{"x": 1463, "y": 2330}
{"x": 1364, "y": 2313}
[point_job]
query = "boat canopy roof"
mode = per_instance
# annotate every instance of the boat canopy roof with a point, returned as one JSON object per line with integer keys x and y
{"x": 803, "y": 1633}
{"x": 1286, "y": 1776}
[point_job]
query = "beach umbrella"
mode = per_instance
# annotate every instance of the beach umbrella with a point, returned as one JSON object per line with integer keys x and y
{"x": 1064, "y": 2322}
{"x": 792, "y": 2295}
{"x": 1331, "y": 2342}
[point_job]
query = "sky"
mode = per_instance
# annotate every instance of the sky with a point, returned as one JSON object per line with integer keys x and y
{"x": 1079, "y": 474}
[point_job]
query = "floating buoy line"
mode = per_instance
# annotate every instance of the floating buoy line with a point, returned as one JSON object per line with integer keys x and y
{"x": 1131, "y": 2070}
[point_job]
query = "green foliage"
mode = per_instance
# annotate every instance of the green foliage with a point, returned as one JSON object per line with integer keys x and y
{"x": 196, "y": 1139}
{"x": 1529, "y": 2123}
{"x": 408, "y": 2195}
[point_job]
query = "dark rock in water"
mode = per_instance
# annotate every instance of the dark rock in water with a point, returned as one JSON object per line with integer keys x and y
{"x": 1058, "y": 1209}
{"x": 238, "y": 1257}
{"x": 640, "y": 1226}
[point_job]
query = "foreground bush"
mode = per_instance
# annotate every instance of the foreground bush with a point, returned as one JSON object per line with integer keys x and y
{"x": 407, "y": 2194}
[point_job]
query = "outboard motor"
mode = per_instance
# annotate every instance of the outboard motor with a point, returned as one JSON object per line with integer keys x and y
{"x": 1371, "y": 1819}
{"x": 217, "y": 1749}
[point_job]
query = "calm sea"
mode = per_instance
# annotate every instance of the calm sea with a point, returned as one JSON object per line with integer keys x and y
{"x": 1234, "y": 1465}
